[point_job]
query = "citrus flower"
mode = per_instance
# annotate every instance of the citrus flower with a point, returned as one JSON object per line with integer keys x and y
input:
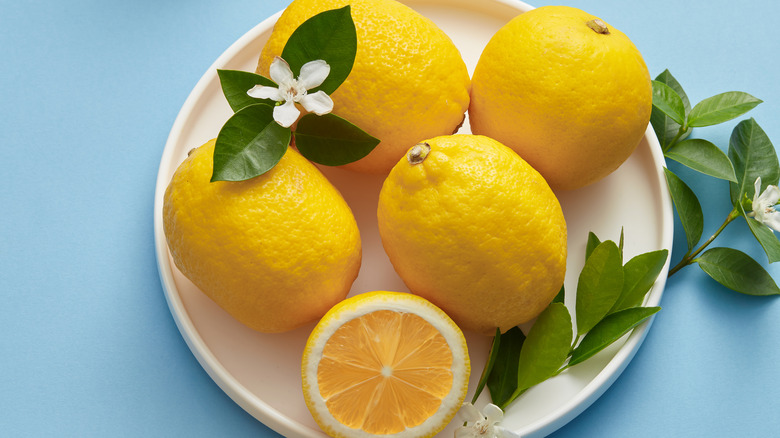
{"x": 764, "y": 205}
{"x": 292, "y": 91}
{"x": 482, "y": 424}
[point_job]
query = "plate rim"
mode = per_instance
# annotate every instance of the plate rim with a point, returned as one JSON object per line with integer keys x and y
{"x": 280, "y": 422}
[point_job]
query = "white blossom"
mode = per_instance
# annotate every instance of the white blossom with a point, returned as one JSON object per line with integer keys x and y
{"x": 482, "y": 424}
{"x": 292, "y": 90}
{"x": 764, "y": 205}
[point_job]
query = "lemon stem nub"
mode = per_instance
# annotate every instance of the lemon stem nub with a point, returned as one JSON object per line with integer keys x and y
{"x": 418, "y": 152}
{"x": 598, "y": 26}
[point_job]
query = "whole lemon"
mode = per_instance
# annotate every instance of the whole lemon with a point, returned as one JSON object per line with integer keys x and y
{"x": 275, "y": 252}
{"x": 470, "y": 226}
{"x": 566, "y": 91}
{"x": 408, "y": 81}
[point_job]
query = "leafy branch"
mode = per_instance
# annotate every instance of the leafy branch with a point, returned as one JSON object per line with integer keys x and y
{"x": 608, "y": 305}
{"x": 253, "y": 140}
{"x": 751, "y": 156}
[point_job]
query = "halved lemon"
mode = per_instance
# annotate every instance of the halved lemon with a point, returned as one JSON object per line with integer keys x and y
{"x": 385, "y": 364}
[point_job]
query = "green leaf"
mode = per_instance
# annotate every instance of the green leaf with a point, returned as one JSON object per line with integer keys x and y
{"x": 609, "y": 330}
{"x": 667, "y": 78}
{"x": 599, "y": 285}
{"x": 488, "y": 365}
{"x": 331, "y": 140}
{"x": 561, "y": 297}
{"x": 721, "y": 108}
{"x": 665, "y": 128}
{"x": 249, "y": 144}
{"x": 753, "y": 155}
{"x": 236, "y": 83}
{"x": 546, "y": 348}
{"x": 502, "y": 381}
{"x": 737, "y": 271}
{"x": 593, "y": 242}
{"x": 669, "y": 102}
{"x": 703, "y": 156}
{"x": 764, "y": 235}
{"x": 329, "y": 36}
{"x": 688, "y": 207}
{"x": 639, "y": 275}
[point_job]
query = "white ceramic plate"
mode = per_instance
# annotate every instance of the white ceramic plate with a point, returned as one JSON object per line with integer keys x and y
{"x": 260, "y": 372}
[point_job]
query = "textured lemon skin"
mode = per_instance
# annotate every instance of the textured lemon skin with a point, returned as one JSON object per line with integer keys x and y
{"x": 364, "y": 303}
{"x": 275, "y": 252}
{"x": 572, "y": 102}
{"x": 475, "y": 230}
{"x": 408, "y": 81}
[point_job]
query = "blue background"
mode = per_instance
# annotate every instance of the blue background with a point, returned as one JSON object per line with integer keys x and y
{"x": 88, "y": 93}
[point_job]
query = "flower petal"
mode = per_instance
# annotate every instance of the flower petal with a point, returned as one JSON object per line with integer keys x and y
{"x": 264, "y": 92}
{"x": 280, "y": 72}
{"x": 313, "y": 73}
{"x": 318, "y": 103}
{"x": 771, "y": 220}
{"x": 493, "y": 413}
{"x": 286, "y": 114}
{"x": 770, "y": 196}
{"x": 756, "y": 192}
{"x": 470, "y": 413}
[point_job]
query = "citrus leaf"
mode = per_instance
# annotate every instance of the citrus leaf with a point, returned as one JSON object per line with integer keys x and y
{"x": 609, "y": 330}
{"x": 488, "y": 365}
{"x": 639, "y": 275}
{"x": 667, "y": 78}
{"x": 236, "y": 83}
{"x": 703, "y": 156}
{"x": 546, "y": 348}
{"x": 721, "y": 108}
{"x": 249, "y": 144}
{"x": 753, "y": 155}
{"x": 688, "y": 207}
{"x": 561, "y": 297}
{"x": 737, "y": 271}
{"x": 502, "y": 381}
{"x": 330, "y": 36}
{"x": 764, "y": 235}
{"x": 669, "y": 102}
{"x": 332, "y": 140}
{"x": 599, "y": 285}
{"x": 665, "y": 128}
{"x": 593, "y": 242}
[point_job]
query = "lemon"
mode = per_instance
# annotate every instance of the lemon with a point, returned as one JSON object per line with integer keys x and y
{"x": 385, "y": 364}
{"x": 566, "y": 91}
{"x": 408, "y": 81}
{"x": 470, "y": 226}
{"x": 275, "y": 252}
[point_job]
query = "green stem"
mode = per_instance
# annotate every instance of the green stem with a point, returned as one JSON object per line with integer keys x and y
{"x": 688, "y": 259}
{"x": 679, "y": 134}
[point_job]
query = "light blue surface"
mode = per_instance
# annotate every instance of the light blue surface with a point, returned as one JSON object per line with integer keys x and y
{"x": 88, "y": 93}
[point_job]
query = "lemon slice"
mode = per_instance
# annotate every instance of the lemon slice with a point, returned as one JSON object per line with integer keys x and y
{"x": 385, "y": 364}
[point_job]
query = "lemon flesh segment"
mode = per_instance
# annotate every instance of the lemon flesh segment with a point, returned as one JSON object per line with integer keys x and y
{"x": 385, "y": 364}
